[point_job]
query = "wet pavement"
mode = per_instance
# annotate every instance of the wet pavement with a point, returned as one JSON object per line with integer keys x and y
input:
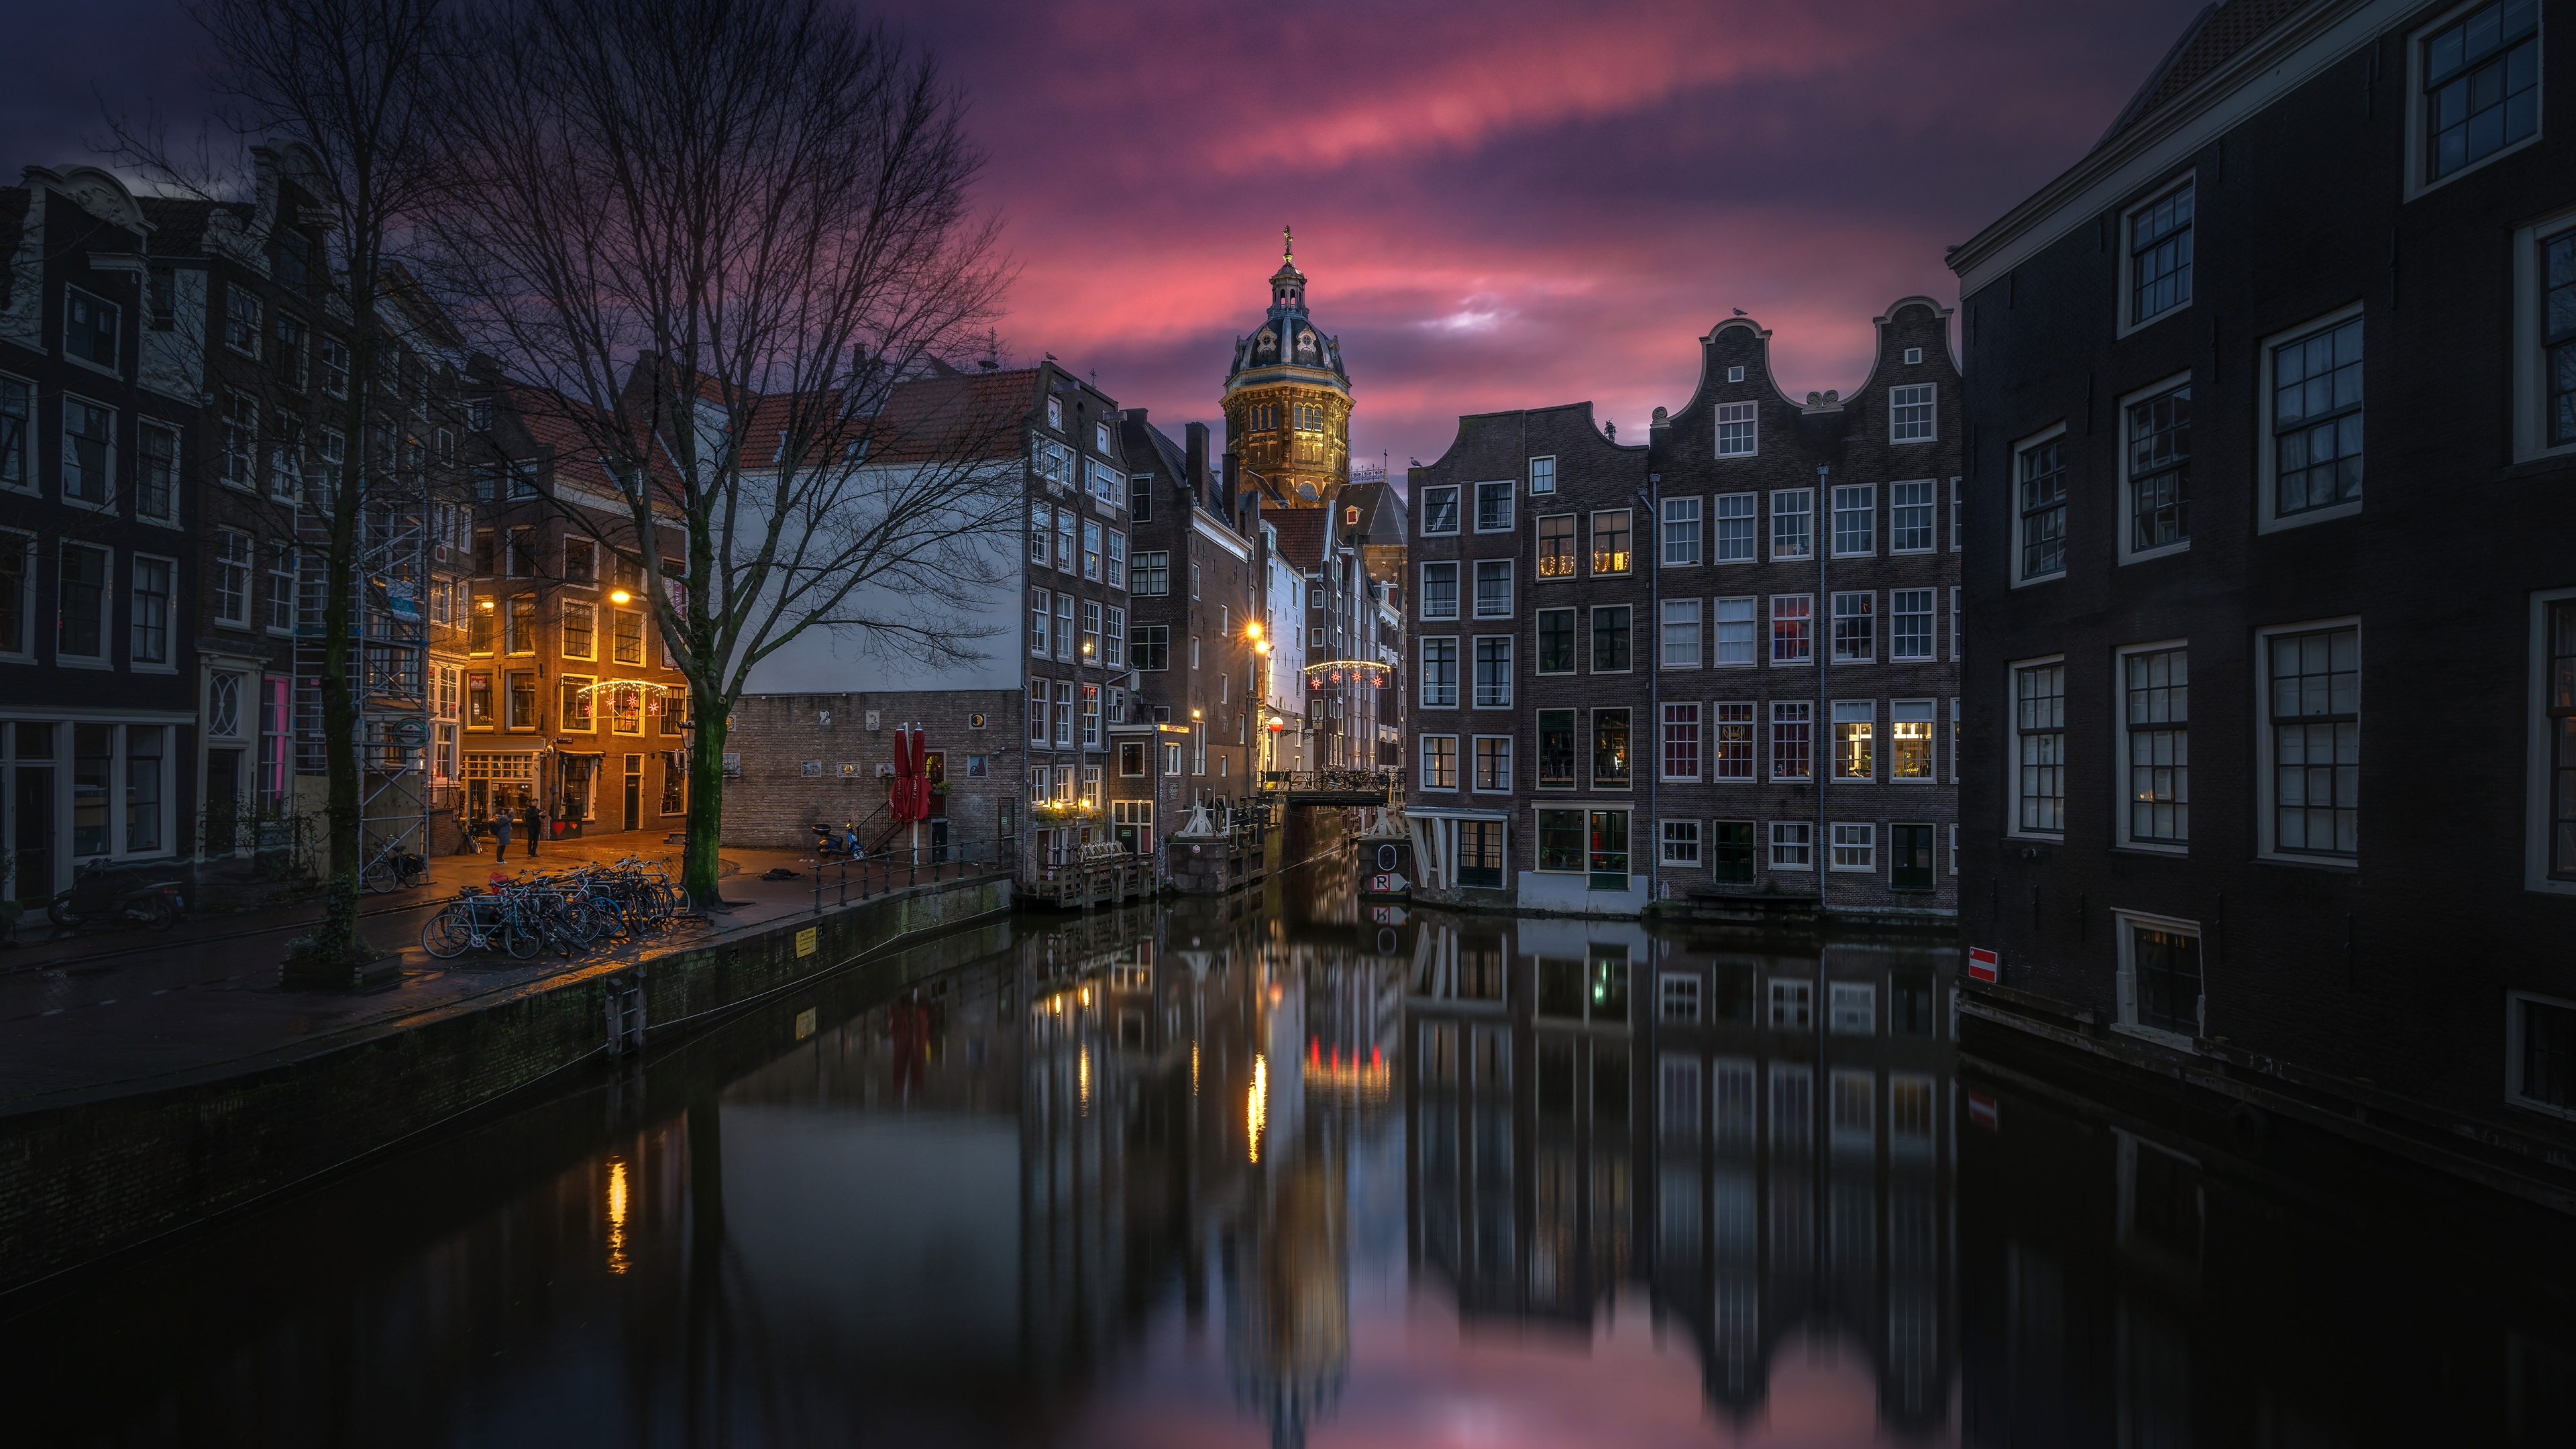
{"x": 1270, "y": 1171}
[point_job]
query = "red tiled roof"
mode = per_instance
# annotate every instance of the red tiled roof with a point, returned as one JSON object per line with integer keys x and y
{"x": 2214, "y": 36}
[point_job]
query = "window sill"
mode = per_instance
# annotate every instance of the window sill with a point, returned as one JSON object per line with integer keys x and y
{"x": 2157, "y": 1035}
{"x": 88, "y": 366}
{"x": 2416, "y": 191}
{"x": 2310, "y": 862}
{"x": 2277, "y": 523}
{"x": 2161, "y": 551}
{"x": 2150, "y": 848}
{"x": 79, "y": 663}
{"x": 1852, "y": 870}
{"x": 2131, "y": 329}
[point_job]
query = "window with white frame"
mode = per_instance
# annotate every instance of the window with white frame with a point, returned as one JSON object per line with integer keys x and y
{"x": 241, "y": 320}
{"x": 1910, "y": 413}
{"x": 1731, "y": 742}
{"x": 1542, "y": 475}
{"x": 2160, "y": 979}
{"x": 2314, "y": 401}
{"x": 2540, "y": 1053}
{"x": 1736, "y": 430}
{"x": 2480, "y": 86}
{"x": 150, "y": 616}
{"x": 2156, "y": 718}
{"x": 1793, "y": 523}
{"x": 2039, "y": 748}
{"x": 1855, "y": 847}
{"x": 1440, "y": 590}
{"x": 1494, "y": 507}
{"x": 1855, "y": 520}
{"x": 1494, "y": 764}
{"x": 2312, "y": 702}
{"x": 83, "y": 604}
{"x": 1440, "y": 509}
{"x": 1681, "y": 742}
{"x": 1958, "y": 626}
{"x": 1855, "y": 627}
{"x": 1793, "y": 845}
{"x": 232, "y": 577}
{"x": 1736, "y": 528}
{"x": 1909, "y": 516}
{"x": 1114, "y": 641}
{"x": 2039, "y": 469}
{"x": 1909, "y": 742}
{"x": 2157, "y": 460}
{"x": 1493, "y": 588}
{"x": 2158, "y": 255}
{"x": 1041, "y": 616}
{"x": 1440, "y": 762}
{"x": 1611, "y": 542}
{"x": 17, "y": 433}
{"x": 1064, "y": 628}
{"x": 2554, "y": 683}
{"x": 1792, "y": 628}
{"x": 1440, "y": 675}
{"x": 1855, "y": 739}
{"x": 1681, "y": 847}
{"x": 1958, "y": 515}
{"x": 90, "y": 329}
{"x": 2545, "y": 274}
{"x": 1792, "y": 730}
{"x": 1681, "y": 532}
{"x": 1681, "y": 634}
{"x": 17, "y": 595}
{"x": 89, "y": 452}
{"x": 1909, "y": 624}
{"x": 1735, "y": 632}
{"x": 1493, "y": 671}
{"x": 237, "y": 441}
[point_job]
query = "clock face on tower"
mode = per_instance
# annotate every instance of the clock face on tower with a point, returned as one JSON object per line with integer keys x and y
{"x": 1288, "y": 402}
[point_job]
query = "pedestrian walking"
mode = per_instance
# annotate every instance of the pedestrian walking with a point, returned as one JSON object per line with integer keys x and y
{"x": 536, "y": 828}
{"x": 501, "y": 833}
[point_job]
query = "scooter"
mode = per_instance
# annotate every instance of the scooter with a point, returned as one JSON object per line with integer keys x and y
{"x": 116, "y": 895}
{"x": 829, "y": 843}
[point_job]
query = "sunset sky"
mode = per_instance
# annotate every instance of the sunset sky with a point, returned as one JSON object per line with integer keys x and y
{"x": 1499, "y": 204}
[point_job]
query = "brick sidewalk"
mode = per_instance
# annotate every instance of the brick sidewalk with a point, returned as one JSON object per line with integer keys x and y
{"x": 94, "y": 1024}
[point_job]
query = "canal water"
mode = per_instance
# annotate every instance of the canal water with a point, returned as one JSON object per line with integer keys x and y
{"x": 1273, "y": 1171}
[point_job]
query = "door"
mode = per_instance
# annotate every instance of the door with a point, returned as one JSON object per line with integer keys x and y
{"x": 1910, "y": 863}
{"x": 34, "y": 847}
{"x": 1134, "y": 821}
{"x": 223, "y": 799}
{"x": 634, "y": 791}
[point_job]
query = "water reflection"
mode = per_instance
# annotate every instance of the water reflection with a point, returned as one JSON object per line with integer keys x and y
{"x": 1278, "y": 1171}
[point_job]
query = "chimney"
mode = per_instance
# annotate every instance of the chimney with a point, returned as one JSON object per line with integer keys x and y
{"x": 1194, "y": 452}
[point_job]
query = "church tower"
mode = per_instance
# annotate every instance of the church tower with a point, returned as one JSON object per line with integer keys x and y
{"x": 1287, "y": 399}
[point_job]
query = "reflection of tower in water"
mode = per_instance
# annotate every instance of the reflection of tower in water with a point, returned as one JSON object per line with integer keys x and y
{"x": 1289, "y": 1341}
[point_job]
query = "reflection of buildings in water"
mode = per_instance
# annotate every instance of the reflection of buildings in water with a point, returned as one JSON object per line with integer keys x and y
{"x": 1780, "y": 1117}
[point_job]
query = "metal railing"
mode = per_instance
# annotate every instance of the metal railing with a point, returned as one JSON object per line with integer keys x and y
{"x": 902, "y": 867}
{"x": 1378, "y": 782}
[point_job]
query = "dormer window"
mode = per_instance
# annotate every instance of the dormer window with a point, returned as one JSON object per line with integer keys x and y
{"x": 1055, "y": 412}
{"x": 1100, "y": 437}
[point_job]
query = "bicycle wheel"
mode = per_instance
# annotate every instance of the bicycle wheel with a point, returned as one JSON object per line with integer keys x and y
{"x": 450, "y": 933}
{"x": 380, "y": 877}
{"x": 520, "y": 938}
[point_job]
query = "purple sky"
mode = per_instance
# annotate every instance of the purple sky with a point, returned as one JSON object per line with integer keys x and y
{"x": 1498, "y": 204}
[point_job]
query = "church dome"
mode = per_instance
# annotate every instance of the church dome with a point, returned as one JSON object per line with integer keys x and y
{"x": 1288, "y": 397}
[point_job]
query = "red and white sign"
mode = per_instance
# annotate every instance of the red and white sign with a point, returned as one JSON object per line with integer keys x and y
{"x": 1983, "y": 1113}
{"x": 1983, "y": 965}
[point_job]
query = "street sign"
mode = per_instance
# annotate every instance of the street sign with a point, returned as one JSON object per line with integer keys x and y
{"x": 1982, "y": 1112}
{"x": 1387, "y": 882}
{"x": 1387, "y": 915}
{"x": 1983, "y": 965}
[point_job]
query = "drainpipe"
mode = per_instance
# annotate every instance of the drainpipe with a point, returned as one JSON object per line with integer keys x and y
{"x": 1821, "y": 737}
{"x": 1654, "y": 685}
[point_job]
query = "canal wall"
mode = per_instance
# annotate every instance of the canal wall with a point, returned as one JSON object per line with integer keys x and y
{"x": 85, "y": 1180}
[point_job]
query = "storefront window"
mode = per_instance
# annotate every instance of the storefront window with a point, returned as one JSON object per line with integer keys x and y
{"x": 92, "y": 759}
{"x": 143, "y": 787}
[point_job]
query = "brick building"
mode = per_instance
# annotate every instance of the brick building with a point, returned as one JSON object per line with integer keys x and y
{"x": 2262, "y": 742}
{"x": 562, "y": 697}
{"x": 1765, "y": 589}
{"x": 98, "y": 573}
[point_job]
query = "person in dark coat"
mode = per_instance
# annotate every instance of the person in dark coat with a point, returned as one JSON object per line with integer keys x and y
{"x": 501, "y": 833}
{"x": 536, "y": 828}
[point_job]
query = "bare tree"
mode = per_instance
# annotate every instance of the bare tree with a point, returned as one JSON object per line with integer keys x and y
{"x": 347, "y": 80}
{"x": 731, "y": 242}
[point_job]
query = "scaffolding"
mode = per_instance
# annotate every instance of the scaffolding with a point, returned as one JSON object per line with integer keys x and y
{"x": 389, "y": 643}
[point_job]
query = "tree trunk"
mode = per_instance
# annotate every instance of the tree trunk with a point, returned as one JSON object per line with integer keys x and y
{"x": 706, "y": 805}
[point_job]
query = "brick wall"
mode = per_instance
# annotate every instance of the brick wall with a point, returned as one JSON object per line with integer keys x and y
{"x": 774, "y": 803}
